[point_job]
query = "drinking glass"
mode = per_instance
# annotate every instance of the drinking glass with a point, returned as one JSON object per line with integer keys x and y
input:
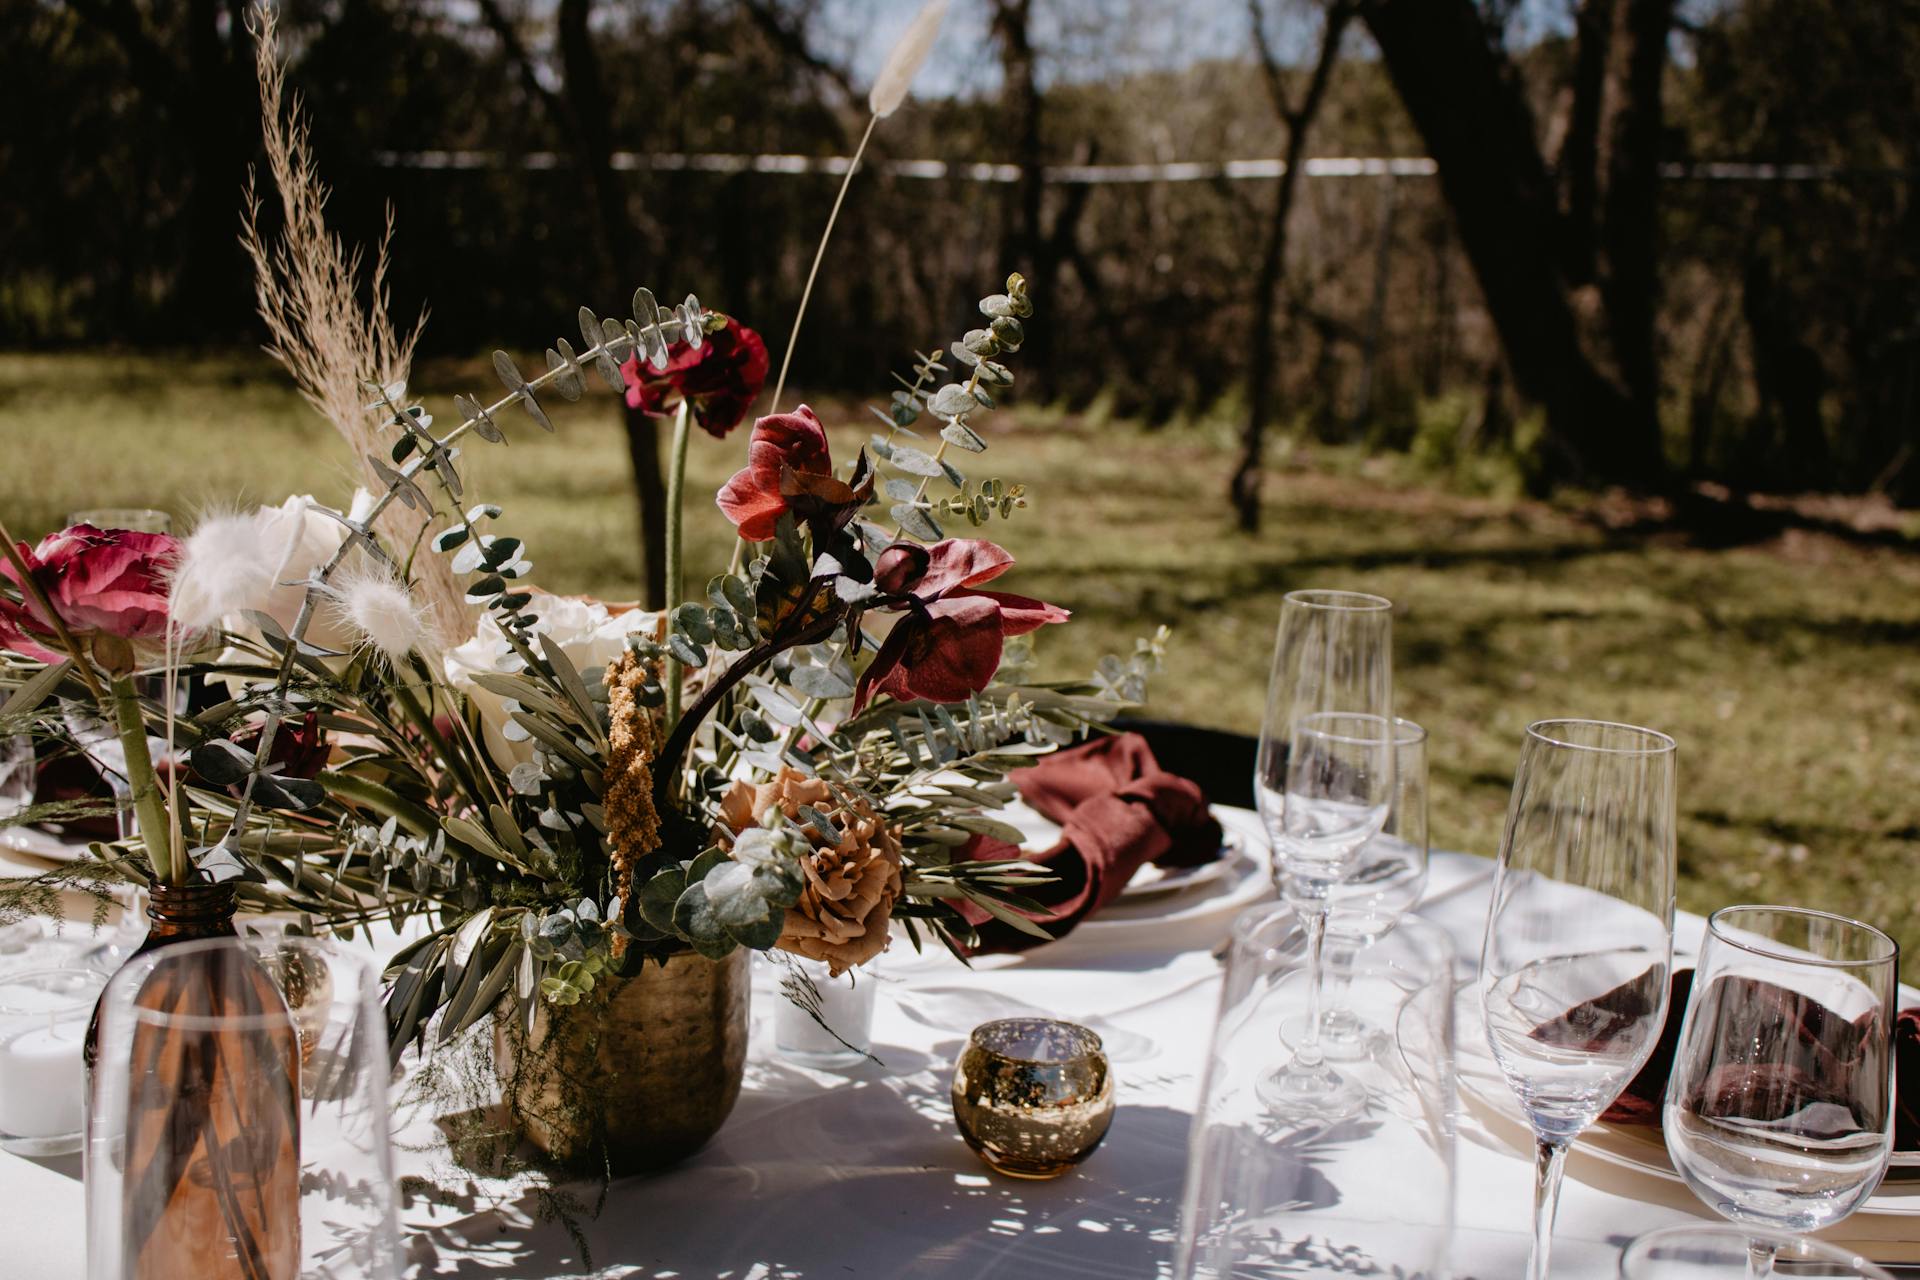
{"x": 1371, "y": 1193}
{"x": 1579, "y": 940}
{"x": 17, "y": 766}
{"x": 238, "y": 1117}
{"x": 1779, "y": 1111}
{"x": 1721, "y": 1253}
{"x": 1390, "y": 874}
{"x": 1324, "y": 781}
{"x": 134, "y": 519}
{"x": 822, "y": 1021}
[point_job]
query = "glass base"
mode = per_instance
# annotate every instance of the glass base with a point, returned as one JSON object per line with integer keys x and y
{"x": 64, "y": 1144}
{"x": 836, "y": 1059}
{"x": 1309, "y": 1095}
{"x": 1343, "y": 1036}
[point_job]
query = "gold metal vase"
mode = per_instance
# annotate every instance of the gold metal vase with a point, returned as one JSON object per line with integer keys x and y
{"x": 639, "y": 1075}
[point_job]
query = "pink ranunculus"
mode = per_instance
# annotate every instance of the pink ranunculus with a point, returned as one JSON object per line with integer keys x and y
{"x": 720, "y": 380}
{"x": 789, "y": 469}
{"x": 112, "y": 580}
{"x": 947, "y": 646}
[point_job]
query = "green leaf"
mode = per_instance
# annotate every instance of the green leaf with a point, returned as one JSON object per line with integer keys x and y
{"x": 996, "y": 305}
{"x": 823, "y": 682}
{"x": 905, "y": 490}
{"x": 915, "y": 521}
{"x": 448, "y": 539}
{"x": 952, "y": 400}
{"x": 1009, "y": 331}
{"x": 685, "y": 651}
{"x": 915, "y": 462}
{"x": 223, "y": 763}
{"x": 691, "y": 621}
{"x": 657, "y": 896}
{"x": 694, "y": 919}
{"x": 961, "y": 436}
{"x": 37, "y": 689}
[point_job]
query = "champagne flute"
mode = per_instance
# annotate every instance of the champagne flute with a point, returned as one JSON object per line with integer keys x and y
{"x": 1389, "y": 876}
{"x": 1779, "y": 1111}
{"x": 1324, "y": 782}
{"x": 1579, "y": 941}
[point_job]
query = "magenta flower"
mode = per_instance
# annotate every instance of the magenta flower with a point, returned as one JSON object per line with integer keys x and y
{"x": 112, "y": 580}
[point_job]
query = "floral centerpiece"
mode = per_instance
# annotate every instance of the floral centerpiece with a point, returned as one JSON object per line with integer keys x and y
{"x": 563, "y": 800}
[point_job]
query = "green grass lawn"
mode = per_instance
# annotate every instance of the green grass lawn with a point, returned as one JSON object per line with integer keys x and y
{"x": 1788, "y": 670}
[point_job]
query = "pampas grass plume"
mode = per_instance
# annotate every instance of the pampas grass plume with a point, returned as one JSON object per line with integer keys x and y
{"x": 908, "y": 56}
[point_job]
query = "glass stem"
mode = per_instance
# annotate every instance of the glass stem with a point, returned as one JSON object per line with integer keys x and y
{"x": 1760, "y": 1254}
{"x": 1308, "y": 1053}
{"x": 1549, "y": 1164}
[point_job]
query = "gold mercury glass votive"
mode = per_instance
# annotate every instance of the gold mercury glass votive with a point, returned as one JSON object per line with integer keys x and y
{"x": 1033, "y": 1097}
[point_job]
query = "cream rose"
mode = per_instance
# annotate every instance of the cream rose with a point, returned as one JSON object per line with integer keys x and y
{"x": 588, "y": 632}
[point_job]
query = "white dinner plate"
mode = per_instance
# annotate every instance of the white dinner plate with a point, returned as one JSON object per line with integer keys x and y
{"x": 42, "y": 844}
{"x": 1152, "y": 880}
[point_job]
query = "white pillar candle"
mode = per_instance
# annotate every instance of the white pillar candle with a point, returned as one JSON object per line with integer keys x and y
{"x": 43, "y": 1027}
{"x": 40, "y": 1079}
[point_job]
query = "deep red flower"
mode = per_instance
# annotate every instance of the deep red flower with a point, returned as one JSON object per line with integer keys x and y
{"x": 947, "y": 646}
{"x": 789, "y": 469}
{"x": 112, "y": 580}
{"x": 720, "y": 380}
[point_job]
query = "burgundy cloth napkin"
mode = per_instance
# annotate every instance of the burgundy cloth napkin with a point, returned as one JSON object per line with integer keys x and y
{"x": 1826, "y": 1048}
{"x": 1118, "y": 810}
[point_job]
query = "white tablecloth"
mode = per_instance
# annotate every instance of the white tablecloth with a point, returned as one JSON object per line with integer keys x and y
{"x": 820, "y": 1175}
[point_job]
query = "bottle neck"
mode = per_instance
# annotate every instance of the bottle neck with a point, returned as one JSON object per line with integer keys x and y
{"x": 190, "y": 911}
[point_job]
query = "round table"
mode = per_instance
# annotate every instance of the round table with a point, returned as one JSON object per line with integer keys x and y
{"x": 861, "y": 1173}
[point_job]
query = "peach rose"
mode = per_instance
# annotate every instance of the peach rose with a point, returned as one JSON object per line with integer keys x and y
{"x": 842, "y": 916}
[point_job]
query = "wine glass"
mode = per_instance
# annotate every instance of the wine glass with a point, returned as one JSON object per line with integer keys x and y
{"x": 1714, "y": 1252}
{"x": 1579, "y": 942}
{"x": 1389, "y": 876}
{"x": 1324, "y": 781}
{"x": 1779, "y": 1111}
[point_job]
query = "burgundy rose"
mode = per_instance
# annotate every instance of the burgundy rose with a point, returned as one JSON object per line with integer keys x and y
{"x": 719, "y": 381}
{"x": 947, "y": 647}
{"x": 789, "y": 469}
{"x": 112, "y": 580}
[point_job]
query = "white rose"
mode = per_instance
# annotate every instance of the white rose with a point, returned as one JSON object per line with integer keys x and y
{"x": 590, "y": 634}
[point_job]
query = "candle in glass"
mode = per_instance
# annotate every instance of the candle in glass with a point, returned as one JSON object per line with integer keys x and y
{"x": 43, "y": 1025}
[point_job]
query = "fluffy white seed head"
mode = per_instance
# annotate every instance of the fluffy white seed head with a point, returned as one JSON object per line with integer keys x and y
{"x": 377, "y": 607}
{"x": 227, "y": 564}
{"x": 908, "y": 56}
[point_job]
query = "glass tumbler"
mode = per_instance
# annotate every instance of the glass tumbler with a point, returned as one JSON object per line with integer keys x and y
{"x": 1370, "y": 1193}
{"x": 238, "y": 1117}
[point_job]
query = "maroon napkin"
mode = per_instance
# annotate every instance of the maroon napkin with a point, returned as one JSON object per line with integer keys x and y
{"x": 1118, "y": 810}
{"x": 1826, "y": 1048}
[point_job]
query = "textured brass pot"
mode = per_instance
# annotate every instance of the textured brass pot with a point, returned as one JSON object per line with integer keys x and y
{"x": 640, "y": 1074}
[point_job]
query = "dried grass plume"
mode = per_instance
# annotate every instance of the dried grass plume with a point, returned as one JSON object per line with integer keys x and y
{"x": 307, "y": 288}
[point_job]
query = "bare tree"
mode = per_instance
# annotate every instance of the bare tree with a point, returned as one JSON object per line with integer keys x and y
{"x": 1535, "y": 240}
{"x": 1295, "y": 118}
{"x": 581, "y": 111}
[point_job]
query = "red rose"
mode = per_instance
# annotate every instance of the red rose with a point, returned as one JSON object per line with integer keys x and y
{"x": 112, "y": 580}
{"x": 789, "y": 469}
{"x": 947, "y": 647}
{"x": 720, "y": 380}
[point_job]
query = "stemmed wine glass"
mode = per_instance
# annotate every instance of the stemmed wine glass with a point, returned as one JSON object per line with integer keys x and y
{"x": 1324, "y": 781}
{"x": 1389, "y": 876}
{"x": 1779, "y": 1111}
{"x": 1579, "y": 942}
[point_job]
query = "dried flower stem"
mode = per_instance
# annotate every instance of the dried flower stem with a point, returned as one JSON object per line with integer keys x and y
{"x": 819, "y": 253}
{"x": 676, "y": 549}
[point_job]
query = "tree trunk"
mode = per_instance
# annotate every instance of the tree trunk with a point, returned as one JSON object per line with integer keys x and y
{"x": 1028, "y": 243}
{"x": 1467, "y": 103}
{"x": 1243, "y": 490}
